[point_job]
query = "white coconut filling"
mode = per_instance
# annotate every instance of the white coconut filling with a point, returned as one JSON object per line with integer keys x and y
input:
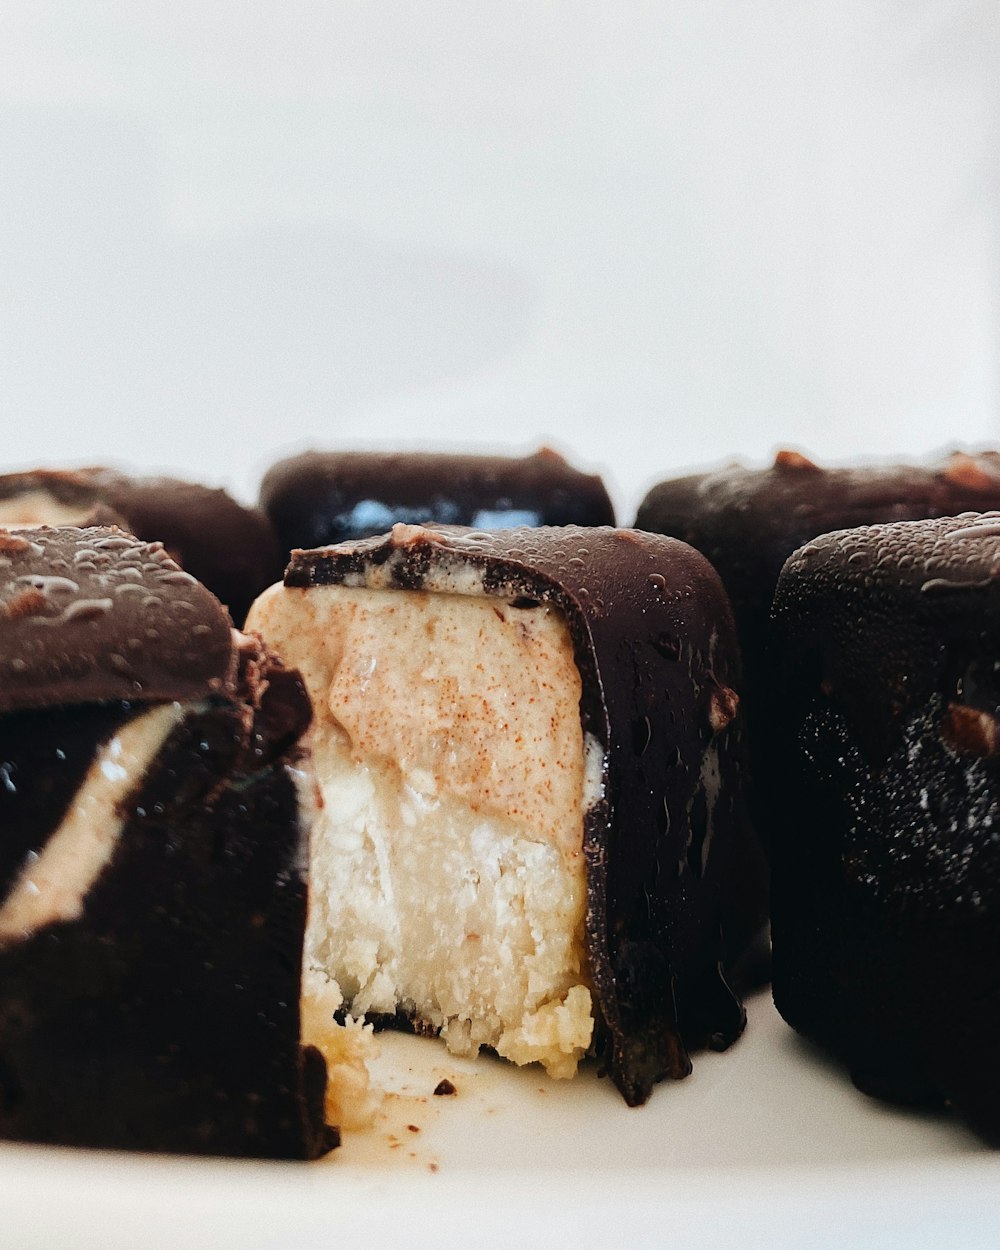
{"x": 451, "y": 776}
{"x": 54, "y": 883}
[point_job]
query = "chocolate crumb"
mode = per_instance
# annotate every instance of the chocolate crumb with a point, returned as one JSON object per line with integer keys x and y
{"x": 413, "y": 1128}
{"x": 445, "y": 1088}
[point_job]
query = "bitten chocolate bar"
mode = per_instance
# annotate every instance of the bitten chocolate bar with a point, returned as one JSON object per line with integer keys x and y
{"x": 330, "y": 497}
{"x": 152, "y": 862}
{"x": 530, "y": 832}
{"x": 228, "y": 547}
{"x": 886, "y": 856}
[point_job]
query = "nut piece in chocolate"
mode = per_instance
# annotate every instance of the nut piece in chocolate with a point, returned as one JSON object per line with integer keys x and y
{"x": 529, "y": 832}
{"x": 152, "y": 887}
{"x": 886, "y": 853}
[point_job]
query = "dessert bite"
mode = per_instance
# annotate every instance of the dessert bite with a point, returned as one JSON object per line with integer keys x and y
{"x": 749, "y": 521}
{"x": 529, "y": 831}
{"x": 229, "y": 548}
{"x": 152, "y": 864}
{"x": 329, "y": 497}
{"x": 886, "y": 850}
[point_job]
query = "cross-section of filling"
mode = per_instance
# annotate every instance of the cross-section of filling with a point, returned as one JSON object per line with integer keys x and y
{"x": 450, "y": 775}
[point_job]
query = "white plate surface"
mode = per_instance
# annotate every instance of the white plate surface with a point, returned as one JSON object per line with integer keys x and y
{"x": 765, "y": 1146}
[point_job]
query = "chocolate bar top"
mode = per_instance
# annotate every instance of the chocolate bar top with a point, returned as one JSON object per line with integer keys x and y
{"x": 229, "y": 547}
{"x": 672, "y": 897}
{"x": 748, "y": 521}
{"x": 93, "y": 615}
{"x": 928, "y": 593}
{"x": 328, "y": 497}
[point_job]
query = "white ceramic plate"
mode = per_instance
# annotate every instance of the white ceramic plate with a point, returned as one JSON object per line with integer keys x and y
{"x": 766, "y": 1146}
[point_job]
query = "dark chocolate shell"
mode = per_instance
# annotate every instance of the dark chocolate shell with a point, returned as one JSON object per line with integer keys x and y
{"x": 675, "y": 887}
{"x": 885, "y": 856}
{"x": 329, "y": 497}
{"x": 93, "y": 615}
{"x": 228, "y": 547}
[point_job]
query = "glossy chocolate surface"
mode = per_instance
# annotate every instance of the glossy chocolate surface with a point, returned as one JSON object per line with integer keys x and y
{"x": 749, "y": 521}
{"x": 228, "y": 547}
{"x": 675, "y": 893}
{"x": 161, "y": 1011}
{"x": 886, "y": 851}
{"x": 331, "y": 497}
{"x": 94, "y": 615}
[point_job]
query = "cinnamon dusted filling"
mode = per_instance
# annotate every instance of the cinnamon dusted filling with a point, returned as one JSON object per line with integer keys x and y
{"x": 450, "y": 776}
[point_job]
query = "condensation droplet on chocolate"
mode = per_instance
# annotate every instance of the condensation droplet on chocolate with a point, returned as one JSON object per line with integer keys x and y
{"x": 49, "y": 585}
{"x": 87, "y": 610}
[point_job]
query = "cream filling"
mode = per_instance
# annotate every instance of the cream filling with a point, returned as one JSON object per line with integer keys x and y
{"x": 54, "y": 883}
{"x": 38, "y": 507}
{"x": 450, "y": 781}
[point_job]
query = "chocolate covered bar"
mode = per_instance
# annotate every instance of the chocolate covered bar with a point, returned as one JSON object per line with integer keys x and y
{"x": 329, "y": 497}
{"x": 152, "y": 887}
{"x": 749, "y": 521}
{"x": 230, "y": 548}
{"x": 886, "y": 850}
{"x": 529, "y": 832}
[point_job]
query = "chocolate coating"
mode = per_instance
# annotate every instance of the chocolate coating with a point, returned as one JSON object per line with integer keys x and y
{"x": 749, "y": 521}
{"x": 330, "y": 497}
{"x": 44, "y": 757}
{"x": 232, "y": 549}
{"x": 886, "y": 871}
{"x": 159, "y": 1008}
{"x": 675, "y": 893}
{"x": 95, "y": 616}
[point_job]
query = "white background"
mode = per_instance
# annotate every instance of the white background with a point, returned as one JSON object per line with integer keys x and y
{"x": 653, "y": 234}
